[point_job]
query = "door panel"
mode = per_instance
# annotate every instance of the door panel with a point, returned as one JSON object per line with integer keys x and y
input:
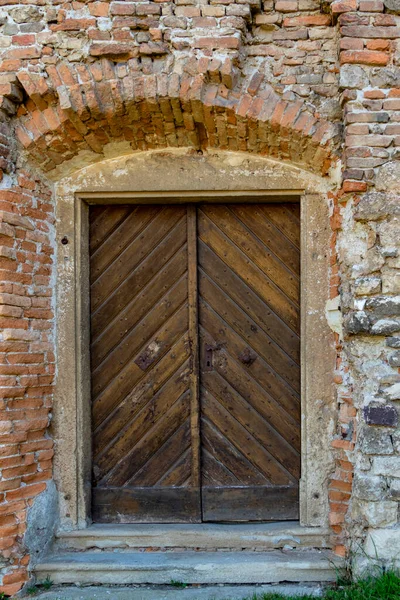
{"x": 195, "y": 362}
{"x": 142, "y": 366}
{"x": 250, "y": 374}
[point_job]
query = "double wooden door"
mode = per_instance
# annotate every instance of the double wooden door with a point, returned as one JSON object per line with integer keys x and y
{"x": 195, "y": 362}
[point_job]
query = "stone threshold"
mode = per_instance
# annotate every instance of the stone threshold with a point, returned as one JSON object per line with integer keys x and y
{"x": 203, "y": 536}
{"x": 160, "y": 568}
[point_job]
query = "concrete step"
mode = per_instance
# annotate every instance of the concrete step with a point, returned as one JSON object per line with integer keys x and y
{"x": 204, "y": 536}
{"x": 161, "y": 592}
{"x": 157, "y": 568}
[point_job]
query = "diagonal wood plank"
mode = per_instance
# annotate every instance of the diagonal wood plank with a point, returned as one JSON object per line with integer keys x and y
{"x": 143, "y": 266}
{"x": 140, "y": 276}
{"x": 138, "y": 307}
{"x": 170, "y": 308}
{"x": 216, "y": 444}
{"x": 103, "y": 221}
{"x": 253, "y": 422}
{"x": 146, "y": 387}
{"x": 242, "y": 266}
{"x": 159, "y": 464}
{"x": 249, "y": 301}
{"x": 215, "y": 472}
{"x": 257, "y": 340}
{"x": 132, "y": 432}
{"x": 255, "y": 219}
{"x": 266, "y": 383}
{"x": 286, "y": 218}
{"x": 119, "y": 238}
{"x": 243, "y": 440}
{"x": 149, "y": 443}
{"x": 244, "y": 239}
{"x": 249, "y": 273}
{"x": 133, "y": 254}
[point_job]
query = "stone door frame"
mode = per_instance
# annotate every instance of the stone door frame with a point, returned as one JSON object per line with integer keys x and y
{"x": 182, "y": 177}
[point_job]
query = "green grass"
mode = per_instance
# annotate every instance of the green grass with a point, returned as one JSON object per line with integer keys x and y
{"x": 385, "y": 587}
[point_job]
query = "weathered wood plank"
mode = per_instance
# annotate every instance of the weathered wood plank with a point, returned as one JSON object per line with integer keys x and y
{"x": 259, "y": 254}
{"x": 242, "y": 266}
{"x": 249, "y": 302}
{"x": 119, "y": 238}
{"x": 250, "y": 503}
{"x": 155, "y": 323}
{"x": 286, "y": 218}
{"x": 194, "y": 344}
{"x": 254, "y": 218}
{"x": 216, "y": 444}
{"x": 140, "y": 276}
{"x": 131, "y": 256}
{"x": 242, "y": 439}
{"x": 244, "y": 326}
{"x": 146, "y": 505}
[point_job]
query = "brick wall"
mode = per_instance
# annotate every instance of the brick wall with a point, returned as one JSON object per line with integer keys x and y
{"x": 310, "y": 82}
{"x": 26, "y": 361}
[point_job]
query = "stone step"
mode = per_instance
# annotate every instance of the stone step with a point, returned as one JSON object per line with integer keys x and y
{"x": 197, "y": 592}
{"x": 203, "y": 536}
{"x": 160, "y": 568}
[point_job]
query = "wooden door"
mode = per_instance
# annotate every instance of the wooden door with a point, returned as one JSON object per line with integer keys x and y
{"x": 144, "y": 376}
{"x": 166, "y": 283}
{"x": 250, "y": 373}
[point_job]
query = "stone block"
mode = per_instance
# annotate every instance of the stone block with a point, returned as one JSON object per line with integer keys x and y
{"x": 394, "y": 359}
{"x": 388, "y": 77}
{"x": 392, "y": 5}
{"x": 393, "y": 342}
{"x": 387, "y": 178}
{"x": 389, "y": 233}
{"x": 353, "y": 77}
{"x": 382, "y": 306}
{"x": 378, "y": 514}
{"x": 385, "y": 326}
{"x": 393, "y": 392}
{"x": 376, "y": 440}
{"x": 356, "y": 322}
{"x": 377, "y": 205}
{"x": 365, "y": 286}
{"x": 391, "y": 281}
{"x": 388, "y": 466}
{"x": 394, "y": 489}
{"x": 25, "y": 14}
{"x": 383, "y": 543}
{"x": 369, "y": 487}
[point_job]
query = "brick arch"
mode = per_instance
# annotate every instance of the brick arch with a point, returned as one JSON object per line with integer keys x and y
{"x": 86, "y": 107}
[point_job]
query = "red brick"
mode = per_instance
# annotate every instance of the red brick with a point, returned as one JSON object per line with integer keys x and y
{"x": 24, "y": 40}
{"x": 307, "y": 20}
{"x": 99, "y": 9}
{"x": 74, "y": 25}
{"x": 343, "y": 6}
{"x": 364, "y": 57}
{"x": 378, "y": 44}
{"x": 371, "y": 6}
{"x": 366, "y": 32}
{"x": 217, "y": 42}
{"x": 354, "y": 186}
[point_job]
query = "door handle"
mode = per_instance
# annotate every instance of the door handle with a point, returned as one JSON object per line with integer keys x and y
{"x": 247, "y": 357}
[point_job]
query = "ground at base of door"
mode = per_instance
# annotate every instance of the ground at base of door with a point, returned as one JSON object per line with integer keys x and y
{"x": 215, "y": 592}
